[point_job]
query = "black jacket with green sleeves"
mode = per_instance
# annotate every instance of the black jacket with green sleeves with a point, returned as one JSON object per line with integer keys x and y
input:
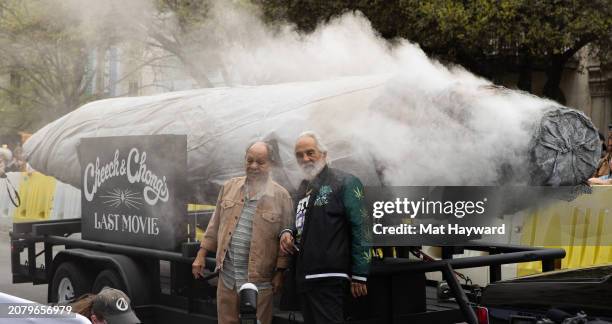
{"x": 331, "y": 241}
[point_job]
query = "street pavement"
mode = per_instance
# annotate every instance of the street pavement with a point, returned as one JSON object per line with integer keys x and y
{"x": 36, "y": 293}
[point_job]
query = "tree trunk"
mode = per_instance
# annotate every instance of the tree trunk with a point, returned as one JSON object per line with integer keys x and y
{"x": 197, "y": 73}
{"x": 525, "y": 72}
{"x": 554, "y": 72}
{"x": 99, "y": 81}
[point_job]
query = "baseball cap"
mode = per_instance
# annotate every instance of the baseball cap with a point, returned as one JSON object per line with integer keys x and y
{"x": 114, "y": 306}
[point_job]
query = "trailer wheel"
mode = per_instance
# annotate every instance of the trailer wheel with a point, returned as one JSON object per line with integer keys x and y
{"x": 69, "y": 282}
{"x": 108, "y": 278}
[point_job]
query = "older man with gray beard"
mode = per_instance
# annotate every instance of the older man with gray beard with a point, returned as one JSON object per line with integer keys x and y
{"x": 251, "y": 211}
{"x": 328, "y": 239}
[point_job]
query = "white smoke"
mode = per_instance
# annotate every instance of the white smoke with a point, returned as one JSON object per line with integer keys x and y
{"x": 433, "y": 124}
{"x": 345, "y": 46}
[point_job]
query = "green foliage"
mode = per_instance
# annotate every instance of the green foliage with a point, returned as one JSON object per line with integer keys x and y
{"x": 489, "y": 26}
{"x": 542, "y": 27}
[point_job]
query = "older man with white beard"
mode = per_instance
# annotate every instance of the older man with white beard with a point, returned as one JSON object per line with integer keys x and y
{"x": 328, "y": 238}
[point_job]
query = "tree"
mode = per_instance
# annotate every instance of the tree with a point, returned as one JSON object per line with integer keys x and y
{"x": 173, "y": 28}
{"x": 487, "y": 37}
{"x": 189, "y": 31}
{"x": 51, "y": 55}
{"x": 52, "y": 51}
{"x": 46, "y": 61}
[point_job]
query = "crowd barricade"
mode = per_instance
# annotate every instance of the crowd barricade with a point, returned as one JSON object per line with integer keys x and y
{"x": 41, "y": 198}
{"x": 7, "y": 208}
{"x": 581, "y": 227}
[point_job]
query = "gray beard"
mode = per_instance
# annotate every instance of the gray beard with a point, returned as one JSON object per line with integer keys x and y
{"x": 311, "y": 171}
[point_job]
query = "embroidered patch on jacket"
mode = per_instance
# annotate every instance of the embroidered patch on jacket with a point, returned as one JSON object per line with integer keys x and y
{"x": 367, "y": 256}
{"x": 358, "y": 193}
{"x": 323, "y": 196}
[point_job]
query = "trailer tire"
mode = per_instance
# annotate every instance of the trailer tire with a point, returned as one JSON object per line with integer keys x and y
{"x": 71, "y": 280}
{"x": 108, "y": 278}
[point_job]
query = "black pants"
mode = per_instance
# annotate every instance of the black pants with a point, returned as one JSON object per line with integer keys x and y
{"x": 323, "y": 302}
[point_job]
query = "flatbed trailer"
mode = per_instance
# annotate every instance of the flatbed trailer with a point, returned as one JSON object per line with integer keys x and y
{"x": 162, "y": 287}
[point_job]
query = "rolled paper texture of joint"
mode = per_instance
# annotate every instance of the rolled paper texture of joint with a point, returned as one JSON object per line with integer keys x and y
{"x": 441, "y": 127}
{"x": 565, "y": 148}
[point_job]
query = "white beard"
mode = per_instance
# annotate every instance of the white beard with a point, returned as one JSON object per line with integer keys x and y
{"x": 312, "y": 170}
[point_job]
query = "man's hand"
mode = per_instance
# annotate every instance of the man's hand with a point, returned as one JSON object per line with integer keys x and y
{"x": 197, "y": 267}
{"x": 358, "y": 289}
{"x": 286, "y": 244}
{"x": 277, "y": 282}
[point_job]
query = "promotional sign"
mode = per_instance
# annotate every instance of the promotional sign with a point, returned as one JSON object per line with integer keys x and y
{"x": 132, "y": 190}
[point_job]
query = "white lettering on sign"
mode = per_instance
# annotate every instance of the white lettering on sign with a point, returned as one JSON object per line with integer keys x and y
{"x": 134, "y": 224}
{"x": 136, "y": 171}
{"x": 155, "y": 187}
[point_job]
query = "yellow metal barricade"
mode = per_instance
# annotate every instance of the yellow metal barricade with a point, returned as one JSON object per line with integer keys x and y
{"x": 583, "y": 227}
{"x": 36, "y": 191}
{"x": 197, "y": 208}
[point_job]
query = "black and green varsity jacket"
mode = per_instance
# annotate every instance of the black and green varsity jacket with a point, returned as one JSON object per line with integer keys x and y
{"x": 331, "y": 234}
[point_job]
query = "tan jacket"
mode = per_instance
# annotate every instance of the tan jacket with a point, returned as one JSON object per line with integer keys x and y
{"x": 273, "y": 214}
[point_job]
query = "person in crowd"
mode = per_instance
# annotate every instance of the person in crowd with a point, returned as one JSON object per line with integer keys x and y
{"x": 604, "y": 179}
{"x": 250, "y": 213}
{"x": 603, "y": 167}
{"x": 328, "y": 236}
{"x": 19, "y": 163}
{"x": 109, "y": 306}
{"x": 82, "y": 305}
{"x": 6, "y": 156}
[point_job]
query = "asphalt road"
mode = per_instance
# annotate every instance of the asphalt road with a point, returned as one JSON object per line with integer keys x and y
{"x": 24, "y": 290}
